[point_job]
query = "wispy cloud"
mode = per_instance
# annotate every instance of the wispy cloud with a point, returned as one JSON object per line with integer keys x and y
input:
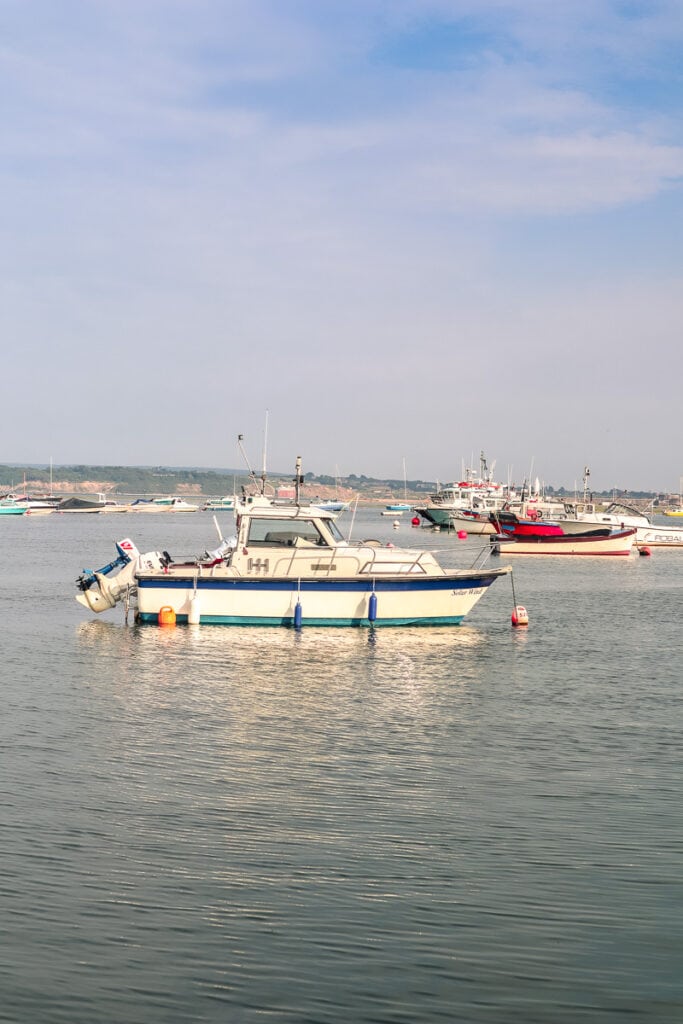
{"x": 267, "y": 179}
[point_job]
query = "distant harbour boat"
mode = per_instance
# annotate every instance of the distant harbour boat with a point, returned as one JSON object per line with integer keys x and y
{"x": 35, "y": 506}
{"x": 175, "y": 505}
{"x": 332, "y": 506}
{"x": 225, "y": 504}
{"x": 167, "y": 504}
{"x": 466, "y": 504}
{"x": 82, "y": 503}
{"x": 401, "y": 506}
{"x": 679, "y": 510}
{"x": 9, "y": 507}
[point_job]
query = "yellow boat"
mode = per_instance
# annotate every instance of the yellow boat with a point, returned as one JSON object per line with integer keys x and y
{"x": 673, "y": 512}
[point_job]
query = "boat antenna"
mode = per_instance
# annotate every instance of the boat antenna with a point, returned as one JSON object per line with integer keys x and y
{"x": 265, "y": 450}
{"x": 353, "y": 519}
{"x": 252, "y": 474}
{"x": 586, "y": 474}
{"x": 298, "y": 480}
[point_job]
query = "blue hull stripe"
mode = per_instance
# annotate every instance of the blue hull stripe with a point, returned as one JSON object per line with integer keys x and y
{"x": 377, "y": 584}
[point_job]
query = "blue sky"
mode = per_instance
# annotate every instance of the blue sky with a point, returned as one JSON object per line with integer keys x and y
{"x": 407, "y": 228}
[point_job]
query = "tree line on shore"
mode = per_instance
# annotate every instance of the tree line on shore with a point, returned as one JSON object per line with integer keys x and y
{"x": 169, "y": 480}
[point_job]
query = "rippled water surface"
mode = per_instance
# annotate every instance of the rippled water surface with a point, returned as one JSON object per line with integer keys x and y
{"x": 409, "y": 825}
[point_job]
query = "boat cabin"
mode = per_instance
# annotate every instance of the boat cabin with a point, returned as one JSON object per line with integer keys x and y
{"x": 281, "y": 538}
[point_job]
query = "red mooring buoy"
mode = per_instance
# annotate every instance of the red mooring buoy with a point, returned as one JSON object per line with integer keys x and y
{"x": 520, "y": 616}
{"x": 644, "y": 551}
{"x": 462, "y": 534}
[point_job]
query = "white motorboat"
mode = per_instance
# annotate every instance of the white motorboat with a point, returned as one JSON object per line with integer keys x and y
{"x": 33, "y": 506}
{"x": 289, "y": 565}
{"x": 225, "y": 504}
{"x": 9, "y": 507}
{"x": 168, "y": 504}
{"x": 619, "y": 515}
{"x": 332, "y": 506}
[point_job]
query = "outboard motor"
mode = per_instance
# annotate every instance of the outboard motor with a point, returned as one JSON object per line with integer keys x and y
{"x": 98, "y": 593}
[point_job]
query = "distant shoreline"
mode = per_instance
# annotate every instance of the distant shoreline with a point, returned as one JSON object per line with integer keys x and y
{"x": 144, "y": 481}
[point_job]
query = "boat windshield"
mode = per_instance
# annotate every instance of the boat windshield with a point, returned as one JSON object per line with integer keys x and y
{"x": 270, "y": 531}
{"x": 335, "y": 531}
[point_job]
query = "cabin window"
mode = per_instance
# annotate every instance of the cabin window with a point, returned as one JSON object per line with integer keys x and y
{"x": 285, "y": 532}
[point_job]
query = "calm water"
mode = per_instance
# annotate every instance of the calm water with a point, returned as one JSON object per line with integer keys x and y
{"x": 215, "y": 824}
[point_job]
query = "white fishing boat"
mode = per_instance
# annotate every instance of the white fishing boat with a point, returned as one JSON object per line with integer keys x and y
{"x": 289, "y": 565}
{"x": 468, "y": 503}
{"x": 616, "y": 542}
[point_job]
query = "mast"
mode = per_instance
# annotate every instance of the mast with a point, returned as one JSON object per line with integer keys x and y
{"x": 483, "y": 467}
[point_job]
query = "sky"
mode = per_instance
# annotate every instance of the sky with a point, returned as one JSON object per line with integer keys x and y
{"x": 407, "y": 229}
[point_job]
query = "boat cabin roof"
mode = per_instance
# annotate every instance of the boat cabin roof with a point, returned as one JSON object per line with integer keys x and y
{"x": 270, "y": 522}
{"x": 259, "y": 507}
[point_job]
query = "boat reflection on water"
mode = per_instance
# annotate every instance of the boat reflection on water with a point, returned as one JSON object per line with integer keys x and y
{"x": 291, "y": 663}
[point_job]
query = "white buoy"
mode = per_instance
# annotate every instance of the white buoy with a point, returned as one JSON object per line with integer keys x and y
{"x": 194, "y": 614}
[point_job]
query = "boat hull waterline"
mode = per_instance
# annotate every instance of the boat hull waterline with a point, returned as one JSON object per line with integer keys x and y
{"x": 439, "y": 601}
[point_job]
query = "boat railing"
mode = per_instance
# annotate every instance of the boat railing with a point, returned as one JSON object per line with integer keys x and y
{"x": 379, "y": 565}
{"x": 331, "y": 560}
